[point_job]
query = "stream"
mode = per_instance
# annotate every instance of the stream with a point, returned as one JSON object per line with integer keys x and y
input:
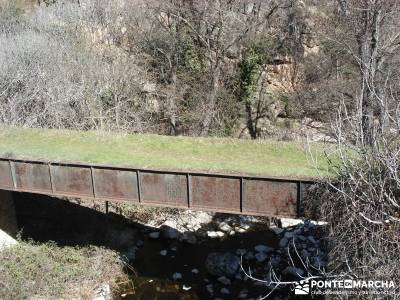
{"x": 184, "y": 255}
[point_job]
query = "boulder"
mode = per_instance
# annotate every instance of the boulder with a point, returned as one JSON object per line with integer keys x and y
{"x": 260, "y": 256}
{"x": 224, "y": 280}
{"x": 263, "y": 248}
{"x": 189, "y": 237}
{"x": 154, "y": 235}
{"x": 215, "y": 234}
{"x": 222, "y": 264}
{"x": 168, "y": 232}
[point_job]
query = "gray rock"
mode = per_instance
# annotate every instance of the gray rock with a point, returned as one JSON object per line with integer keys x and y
{"x": 243, "y": 294}
{"x": 304, "y": 253}
{"x": 312, "y": 239}
{"x": 263, "y": 248}
{"x": 298, "y": 231}
{"x": 154, "y": 235}
{"x": 309, "y": 224}
{"x": 301, "y": 238}
{"x": 139, "y": 243}
{"x": 249, "y": 256}
{"x": 189, "y": 237}
{"x": 241, "y": 252}
{"x": 210, "y": 288}
{"x": 195, "y": 271}
{"x": 169, "y": 232}
{"x": 225, "y": 227}
{"x": 277, "y": 230}
{"x": 176, "y": 276}
{"x": 261, "y": 256}
{"x": 288, "y": 235}
{"x": 275, "y": 261}
{"x": 224, "y": 280}
{"x": 224, "y": 291}
{"x": 283, "y": 243}
{"x": 245, "y": 226}
{"x": 215, "y": 234}
{"x": 163, "y": 252}
{"x": 301, "y": 246}
{"x": 222, "y": 264}
{"x": 293, "y": 271}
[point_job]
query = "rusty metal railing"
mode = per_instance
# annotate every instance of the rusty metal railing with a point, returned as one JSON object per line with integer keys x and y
{"x": 231, "y": 193}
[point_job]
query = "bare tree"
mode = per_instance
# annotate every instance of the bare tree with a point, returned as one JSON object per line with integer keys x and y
{"x": 373, "y": 41}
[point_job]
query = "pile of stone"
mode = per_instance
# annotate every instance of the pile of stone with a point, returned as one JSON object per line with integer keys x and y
{"x": 300, "y": 253}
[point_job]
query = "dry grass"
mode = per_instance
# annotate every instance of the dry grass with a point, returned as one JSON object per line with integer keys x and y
{"x": 46, "y": 271}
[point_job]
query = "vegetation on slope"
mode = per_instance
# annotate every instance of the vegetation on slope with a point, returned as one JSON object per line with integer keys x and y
{"x": 46, "y": 271}
{"x": 207, "y": 154}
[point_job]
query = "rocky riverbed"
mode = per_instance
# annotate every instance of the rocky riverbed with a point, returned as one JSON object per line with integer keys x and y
{"x": 178, "y": 254}
{"x": 208, "y": 256}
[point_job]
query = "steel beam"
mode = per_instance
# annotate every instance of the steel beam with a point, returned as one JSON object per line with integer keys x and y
{"x": 231, "y": 193}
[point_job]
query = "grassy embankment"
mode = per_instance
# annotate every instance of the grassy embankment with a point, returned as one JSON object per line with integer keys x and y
{"x": 46, "y": 271}
{"x": 270, "y": 158}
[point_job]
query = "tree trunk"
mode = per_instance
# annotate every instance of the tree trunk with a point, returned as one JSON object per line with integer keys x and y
{"x": 172, "y": 108}
{"x": 368, "y": 41}
{"x": 210, "y": 109}
{"x": 250, "y": 124}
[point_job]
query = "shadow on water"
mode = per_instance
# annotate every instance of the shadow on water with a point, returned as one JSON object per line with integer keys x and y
{"x": 42, "y": 219}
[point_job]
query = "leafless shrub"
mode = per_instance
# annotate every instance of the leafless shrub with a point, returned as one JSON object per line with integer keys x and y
{"x": 61, "y": 69}
{"x": 361, "y": 204}
{"x": 274, "y": 279}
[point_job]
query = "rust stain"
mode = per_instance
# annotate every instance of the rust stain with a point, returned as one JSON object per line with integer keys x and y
{"x": 270, "y": 198}
{"x": 72, "y": 180}
{"x": 32, "y": 176}
{"x": 211, "y": 192}
{"x": 216, "y": 192}
{"x": 167, "y": 189}
{"x": 115, "y": 184}
{"x": 6, "y": 180}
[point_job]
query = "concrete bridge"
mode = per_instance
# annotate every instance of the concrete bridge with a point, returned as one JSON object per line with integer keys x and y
{"x": 229, "y": 193}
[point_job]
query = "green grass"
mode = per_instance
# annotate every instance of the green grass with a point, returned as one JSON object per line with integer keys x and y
{"x": 270, "y": 158}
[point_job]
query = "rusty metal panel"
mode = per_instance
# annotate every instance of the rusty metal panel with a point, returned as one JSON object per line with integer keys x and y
{"x": 215, "y": 193}
{"x": 6, "y": 180}
{"x": 166, "y": 189}
{"x": 115, "y": 184}
{"x": 270, "y": 197}
{"x": 32, "y": 177}
{"x": 71, "y": 180}
{"x": 304, "y": 187}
